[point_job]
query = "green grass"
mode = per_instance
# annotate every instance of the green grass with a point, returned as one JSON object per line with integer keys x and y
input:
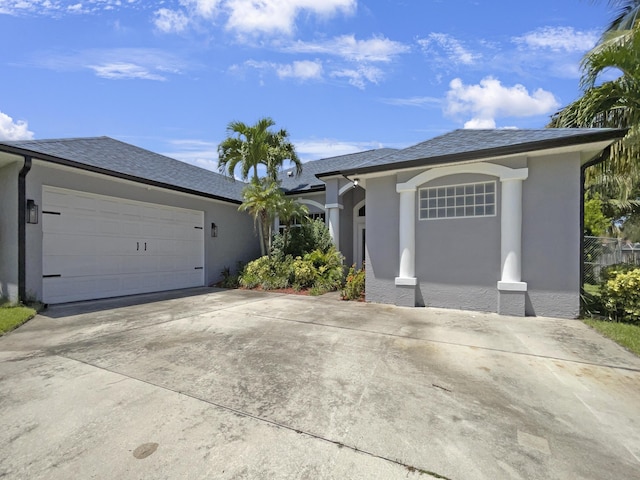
{"x": 12, "y": 317}
{"x": 625, "y": 334}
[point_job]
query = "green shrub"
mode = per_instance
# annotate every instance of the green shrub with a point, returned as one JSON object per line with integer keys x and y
{"x": 269, "y": 272}
{"x": 303, "y": 273}
{"x": 621, "y": 295}
{"x": 354, "y": 286}
{"x": 230, "y": 280}
{"x": 306, "y": 238}
{"x": 329, "y": 267}
{"x": 611, "y": 271}
{"x": 320, "y": 271}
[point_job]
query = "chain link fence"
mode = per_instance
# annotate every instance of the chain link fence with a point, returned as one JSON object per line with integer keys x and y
{"x": 600, "y": 252}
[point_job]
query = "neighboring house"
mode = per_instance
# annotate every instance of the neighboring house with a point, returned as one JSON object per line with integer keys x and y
{"x": 486, "y": 220}
{"x": 113, "y": 219}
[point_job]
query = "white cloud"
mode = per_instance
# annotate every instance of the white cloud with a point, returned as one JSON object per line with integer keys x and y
{"x": 358, "y": 77}
{"x": 314, "y": 149}
{"x": 14, "y": 130}
{"x": 301, "y": 70}
{"x": 170, "y": 21}
{"x": 375, "y": 49}
{"x": 200, "y": 153}
{"x": 490, "y": 99}
{"x": 58, "y": 7}
{"x": 124, "y": 71}
{"x": 454, "y": 49}
{"x": 422, "y": 102}
{"x": 558, "y": 39}
{"x": 119, "y": 63}
{"x": 278, "y": 16}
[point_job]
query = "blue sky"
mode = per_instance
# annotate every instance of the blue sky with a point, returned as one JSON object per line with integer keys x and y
{"x": 340, "y": 75}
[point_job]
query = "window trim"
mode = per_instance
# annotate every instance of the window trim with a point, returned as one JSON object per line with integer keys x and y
{"x": 422, "y": 210}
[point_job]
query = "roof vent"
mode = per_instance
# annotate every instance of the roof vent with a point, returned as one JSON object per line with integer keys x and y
{"x": 289, "y": 173}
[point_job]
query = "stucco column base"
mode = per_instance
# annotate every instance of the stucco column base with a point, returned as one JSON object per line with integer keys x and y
{"x": 406, "y": 295}
{"x": 511, "y": 302}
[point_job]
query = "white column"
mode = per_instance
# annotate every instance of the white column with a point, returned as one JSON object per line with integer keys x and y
{"x": 407, "y": 234}
{"x": 511, "y": 236}
{"x": 333, "y": 222}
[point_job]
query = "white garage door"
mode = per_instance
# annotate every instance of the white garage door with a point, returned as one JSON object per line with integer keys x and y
{"x": 96, "y": 246}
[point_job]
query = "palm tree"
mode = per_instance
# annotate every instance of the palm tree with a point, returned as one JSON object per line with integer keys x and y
{"x": 614, "y": 104}
{"x": 262, "y": 198}
{"x": 288, "y": 211}
{"x": 627, "y": 15}
{"x": 252, "y": 145}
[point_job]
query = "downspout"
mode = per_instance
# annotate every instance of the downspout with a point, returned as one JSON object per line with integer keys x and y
{"x": 22, "y": 229}
{"x": 604, "y": 155}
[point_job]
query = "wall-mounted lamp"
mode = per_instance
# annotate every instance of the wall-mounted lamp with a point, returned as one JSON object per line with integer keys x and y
{"x": 356, "y": 181}
{"x": 32, "y": 212}
{"x": 214, "y": 230}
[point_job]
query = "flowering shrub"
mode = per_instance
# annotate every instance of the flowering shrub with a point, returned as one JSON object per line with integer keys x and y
{"x": 621, "y": 295}
{"x": 354, "y": 286}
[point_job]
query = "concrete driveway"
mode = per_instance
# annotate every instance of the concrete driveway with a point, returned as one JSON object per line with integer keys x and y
{"x": 233, "y": 384}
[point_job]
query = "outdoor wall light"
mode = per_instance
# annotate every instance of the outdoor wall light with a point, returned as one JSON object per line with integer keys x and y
{"x": 32, "y": 212}
{"x": 214, "y": 230}
{"x": 356, "y": 181}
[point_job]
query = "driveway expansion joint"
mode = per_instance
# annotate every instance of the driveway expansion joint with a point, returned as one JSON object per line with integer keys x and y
{"x": 272, "y": 423}
{"x": 455, "y": 344}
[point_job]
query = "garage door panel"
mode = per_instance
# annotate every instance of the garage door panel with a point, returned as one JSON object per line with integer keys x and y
{"x": 97, "y": 246}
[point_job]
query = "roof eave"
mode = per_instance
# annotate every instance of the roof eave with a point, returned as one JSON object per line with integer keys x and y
{"x": 608, "y": 135}
{"x": 90, "y": 168}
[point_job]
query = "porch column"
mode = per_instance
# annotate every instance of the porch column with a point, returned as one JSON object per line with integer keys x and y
{"x": 407, "y": 237}
{"x": 511, "y": 231}
{"x": 511, "y": 288}
{"x": 333, "y": 221}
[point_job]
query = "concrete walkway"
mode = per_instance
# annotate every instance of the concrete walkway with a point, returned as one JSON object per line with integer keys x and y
{"x": 214, "y": 384}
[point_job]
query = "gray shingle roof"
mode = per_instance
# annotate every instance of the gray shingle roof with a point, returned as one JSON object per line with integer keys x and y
{"x": 308, "y": 179}
{"x": 463, "y": 145}
{"x": 106, "y": 155}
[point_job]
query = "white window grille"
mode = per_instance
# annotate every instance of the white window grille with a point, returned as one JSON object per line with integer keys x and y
{"x": 458, "y": 201}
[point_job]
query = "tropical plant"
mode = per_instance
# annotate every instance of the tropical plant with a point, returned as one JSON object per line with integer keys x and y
{"x": 290, "y": 210}
{"x": 621, "y": 296}
{"x": 253, "y": 145}
{"x": 354, "y": 285}
{"x": 627, "y": 15}
{"x": 613, "y": 104}
{"x": 596, "y": 224}
{"x": 261, "y": 200}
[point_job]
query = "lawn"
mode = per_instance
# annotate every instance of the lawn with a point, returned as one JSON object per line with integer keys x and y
{"x": 12, "y": 317}
{"x": 625, "y": 334}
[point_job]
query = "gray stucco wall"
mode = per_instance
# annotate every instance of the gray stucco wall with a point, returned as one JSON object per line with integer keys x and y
{"x": 9, "y": 231}
{"x": 458, "y": 259}
{"x": 349, "y": 199}
{"x": 236, "y": 240}
{"x": 382, "y": 251}
{"x": 551, "y": 236}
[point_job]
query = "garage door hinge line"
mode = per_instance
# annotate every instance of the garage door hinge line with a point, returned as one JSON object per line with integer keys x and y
{"x": 273, "y": 423}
